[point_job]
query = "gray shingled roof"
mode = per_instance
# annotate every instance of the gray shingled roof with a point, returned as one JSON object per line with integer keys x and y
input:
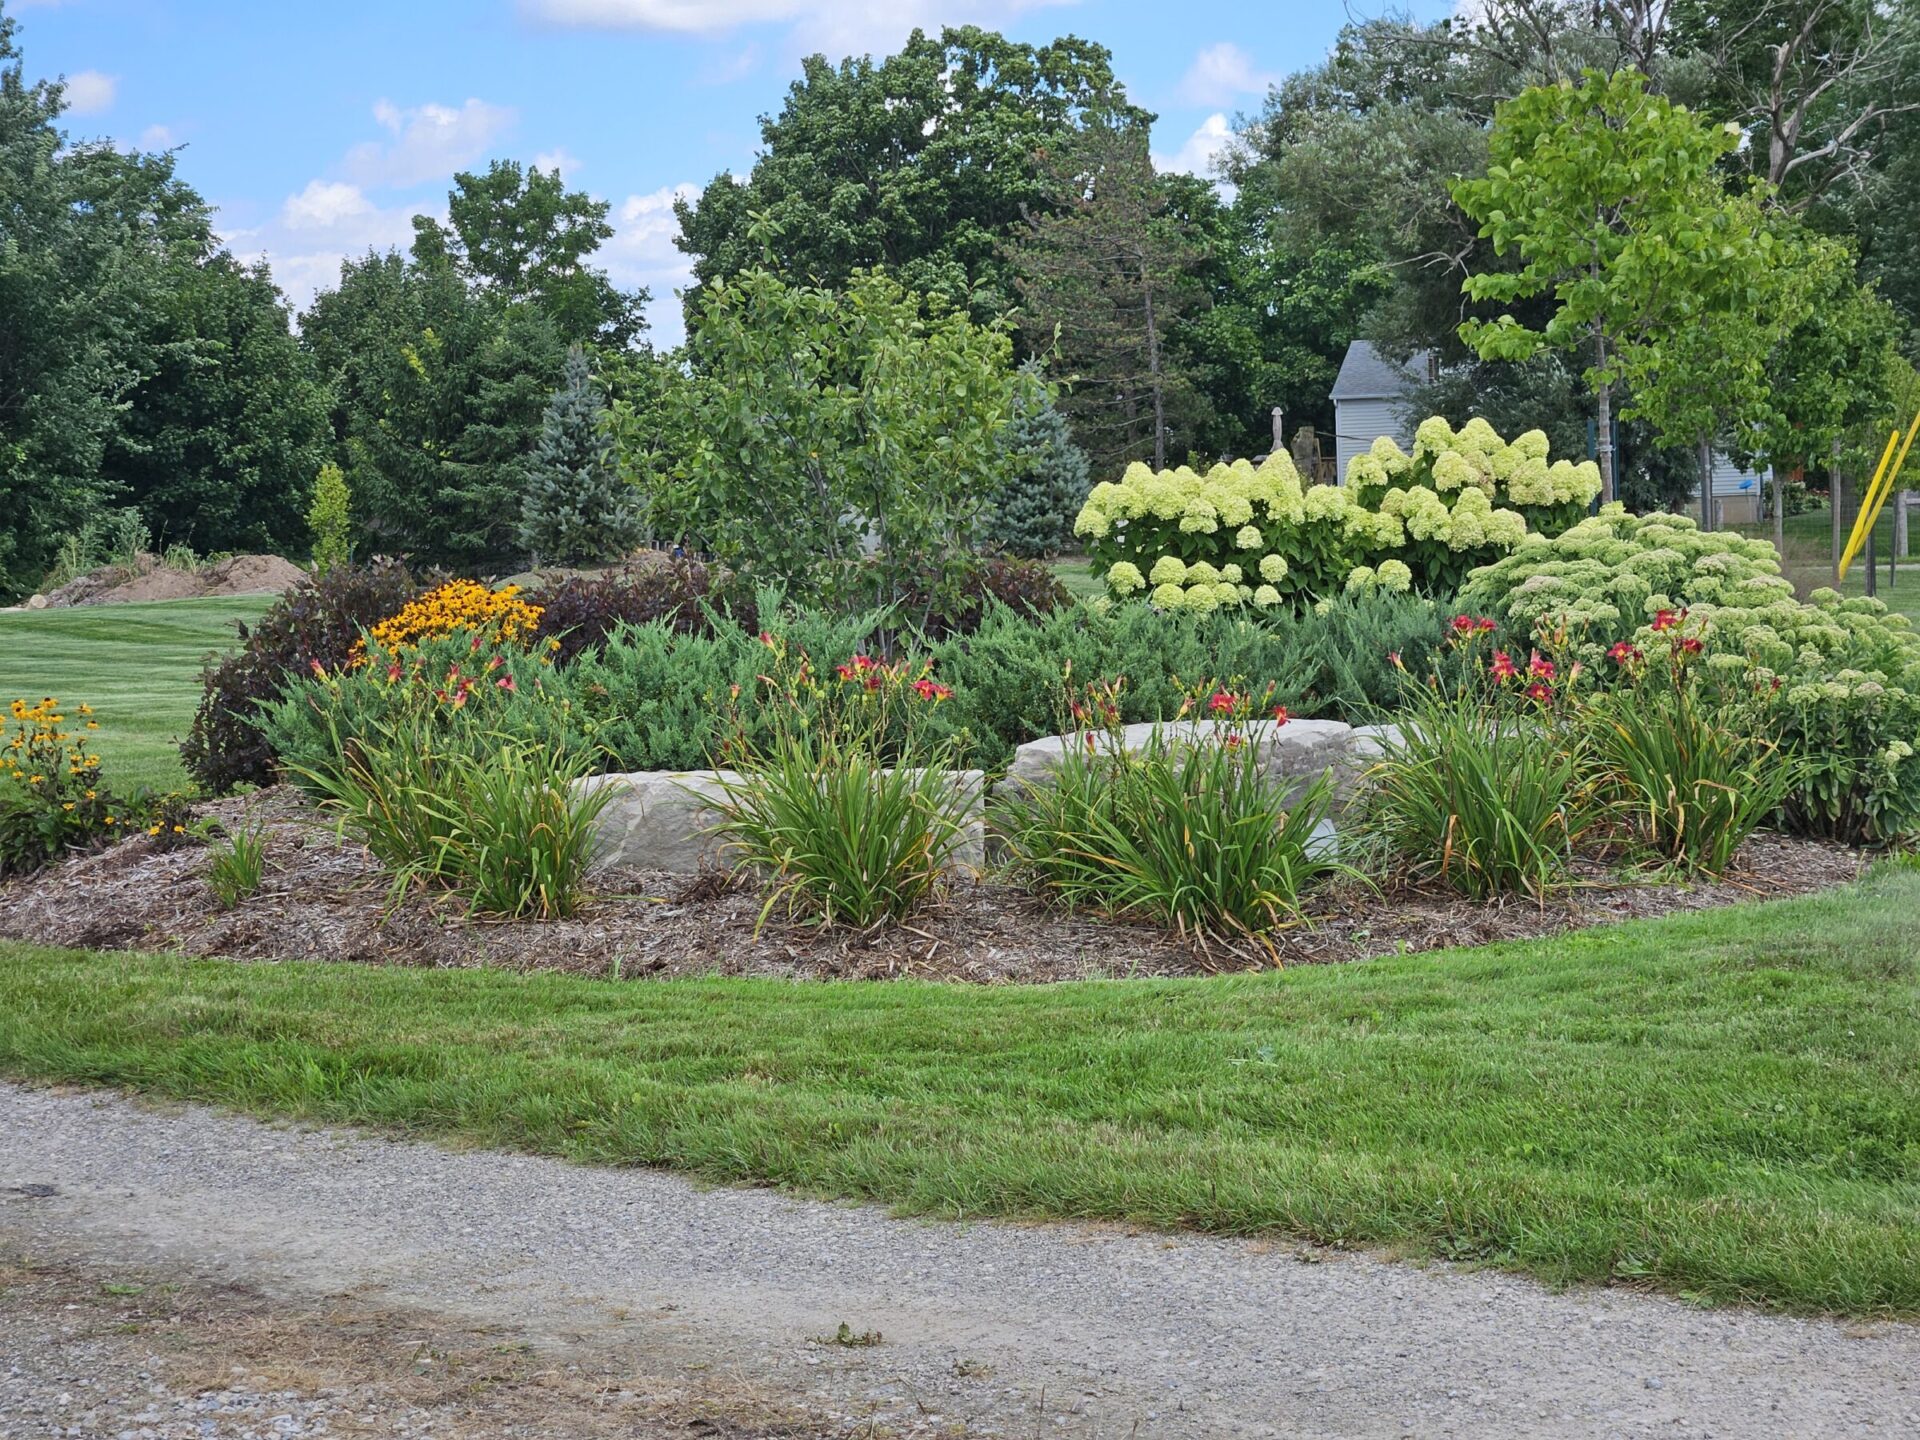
{"x": 1366, "y": 374}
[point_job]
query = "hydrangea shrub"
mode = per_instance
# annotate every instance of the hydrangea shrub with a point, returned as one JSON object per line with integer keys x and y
{"x": 1844, "y": 673}
{"x": 1238, "y": 535}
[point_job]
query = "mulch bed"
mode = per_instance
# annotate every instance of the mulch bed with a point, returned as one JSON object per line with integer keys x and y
{"x": 324, "y": 900}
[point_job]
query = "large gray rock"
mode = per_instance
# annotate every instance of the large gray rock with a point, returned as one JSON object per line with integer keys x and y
{"x": 1295, "y": 749}
{"x": 658, "y": 819}
{"x": 666, "y": 820}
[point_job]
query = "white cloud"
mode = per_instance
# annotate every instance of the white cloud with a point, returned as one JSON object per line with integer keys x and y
{"x": 158, "y": 137}
{"x": 642, "y": 252}
{"x": 559, "y": 158}
{"x": 1222, "y": 72}
{"x": 836, "y": 27}
{"x": 90, "y": 92}
{"x": 428, "y": 141}
{"x": 317, "y": 228}
{"x": 325, "y": 205}
{"x": 1201, "y": 151}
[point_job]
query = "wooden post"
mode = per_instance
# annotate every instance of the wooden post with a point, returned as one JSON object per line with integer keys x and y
{"x": 1279, "y": 444}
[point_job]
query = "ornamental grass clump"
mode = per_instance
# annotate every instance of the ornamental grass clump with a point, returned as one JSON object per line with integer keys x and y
{"x": 1188, "y": 831}
{"x": 493, "y": 817}
{"x": 1679, "y": 752}
{"x": 1484, "y": 785}
{"x": 838, "y": 799}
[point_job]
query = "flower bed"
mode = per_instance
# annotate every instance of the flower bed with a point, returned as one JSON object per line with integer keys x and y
{"x": 323, "y": 899}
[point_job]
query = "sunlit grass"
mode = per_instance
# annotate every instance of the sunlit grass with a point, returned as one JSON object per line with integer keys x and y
{"x": 1720, "y": 1105}
{"x": 137, "y": 665}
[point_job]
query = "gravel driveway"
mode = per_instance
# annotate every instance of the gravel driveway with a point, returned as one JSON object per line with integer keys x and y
{"x": 977, "y": 1329}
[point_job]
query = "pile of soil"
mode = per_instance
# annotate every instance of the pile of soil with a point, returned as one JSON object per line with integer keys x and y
{"x": 326, "y": 900}
{"x": 150, "y": 579}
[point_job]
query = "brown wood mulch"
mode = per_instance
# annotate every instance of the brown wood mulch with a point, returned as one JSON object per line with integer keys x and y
{"x": 325, "y": 900}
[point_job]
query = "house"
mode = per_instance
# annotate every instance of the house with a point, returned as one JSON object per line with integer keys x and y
{"x": 1370, "y": 399}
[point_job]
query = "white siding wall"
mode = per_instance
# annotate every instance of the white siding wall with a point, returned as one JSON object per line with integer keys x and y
{"x": 1358, "y": 423}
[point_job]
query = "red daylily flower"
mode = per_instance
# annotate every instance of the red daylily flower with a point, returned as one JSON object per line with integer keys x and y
{"x": 1503, "y": 667}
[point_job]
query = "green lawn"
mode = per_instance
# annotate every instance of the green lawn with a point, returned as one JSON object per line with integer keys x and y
{"x": 1809, "y": 558}
{"x": 137, "y": 665}
{"x": 1076, "y": 573}
{"x": 1721, "y": 1105}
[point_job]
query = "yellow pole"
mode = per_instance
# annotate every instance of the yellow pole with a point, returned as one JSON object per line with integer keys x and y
{"x": 1876, "y": 493}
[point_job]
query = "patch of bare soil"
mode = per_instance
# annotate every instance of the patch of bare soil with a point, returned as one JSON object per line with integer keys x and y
{"x": 327, "y": 900}
{"x": 147, "y": 578}
{"x": 91, "y": 1350}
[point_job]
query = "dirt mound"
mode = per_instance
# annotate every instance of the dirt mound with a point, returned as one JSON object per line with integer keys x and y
{"x": 251, "y": 575}
{"x": 148, "y": 578}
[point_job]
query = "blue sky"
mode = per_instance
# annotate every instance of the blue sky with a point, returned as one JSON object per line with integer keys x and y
{"x": 320, "y": 129}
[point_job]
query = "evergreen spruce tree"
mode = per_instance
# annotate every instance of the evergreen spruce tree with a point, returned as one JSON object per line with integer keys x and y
{"x": 1034, "y": 514}
{"x": 577, "y": 510}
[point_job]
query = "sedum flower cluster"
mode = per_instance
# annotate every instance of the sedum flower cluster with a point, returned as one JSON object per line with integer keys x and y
{"x": 1240, "y": 535}
{"x": 1843, "y": 674}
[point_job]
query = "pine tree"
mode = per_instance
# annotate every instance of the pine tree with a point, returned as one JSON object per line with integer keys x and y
{"x": 577, "y": 509}
{"x": 1033, "y": 516}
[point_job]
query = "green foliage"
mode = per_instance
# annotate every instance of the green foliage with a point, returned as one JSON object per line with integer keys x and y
{"x": 1610, "y": 198}
{"x": 1105, "y": 272}
{"x": 236, "y": 864}
{"x": 525, "y": 237}
{"x": 1033, "y": 514}
{"x": 498, "y": 822}
{"x": 1846, "y": 706}
{"x": 1681, "y": 758}
{"x": 647, "y": 421}
{"x": 1188, "y": 831}
{"x": 576, "y": 509}
{"x": 142, "y": 364}
{"x": 920, "y": 162}
{"x": 330, "y": 519}
{"x": 844, "y": 441}
{"x": 846, "y": 808}
{"x": 228, "y": 424}
{"x": 1480, "y": 790}
{"x": 317, "y": 623}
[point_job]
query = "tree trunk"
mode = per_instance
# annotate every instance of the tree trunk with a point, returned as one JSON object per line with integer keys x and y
{"x": 1603, "y": 429}
{"x": 1780, "y": 516}
{"x": 1833, "y": 505}
{"x": 1900, "y": 499}
{"x": 1706, "y": 483}
{"x": 1153, "y": 370}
